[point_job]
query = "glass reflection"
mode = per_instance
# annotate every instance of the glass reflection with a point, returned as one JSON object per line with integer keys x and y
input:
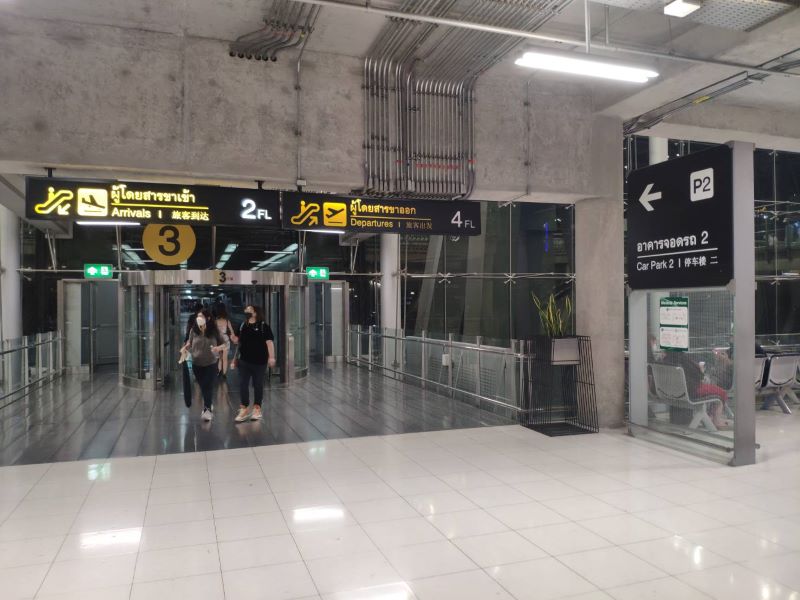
{"x": 98, "y": 472}
{"x": 390, "y": 591}
{"x": 118, "y": 537}
{"x": 318, "y": 514}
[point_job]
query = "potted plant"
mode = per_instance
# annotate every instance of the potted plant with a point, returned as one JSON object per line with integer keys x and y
{"x": 556, "y": 322}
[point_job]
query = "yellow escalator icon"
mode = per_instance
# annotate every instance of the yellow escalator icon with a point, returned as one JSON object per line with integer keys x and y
{"x": 56, "y": 199}
{"x": 308, "y": 214}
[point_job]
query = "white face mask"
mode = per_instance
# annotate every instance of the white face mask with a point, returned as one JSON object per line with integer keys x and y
{"x": 201, "y": 321}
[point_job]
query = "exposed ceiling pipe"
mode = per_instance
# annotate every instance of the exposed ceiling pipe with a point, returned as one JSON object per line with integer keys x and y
{"x": 394, "y": 14}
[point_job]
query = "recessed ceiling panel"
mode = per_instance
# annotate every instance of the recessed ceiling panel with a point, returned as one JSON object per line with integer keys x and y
{"x": 741, "y": 15}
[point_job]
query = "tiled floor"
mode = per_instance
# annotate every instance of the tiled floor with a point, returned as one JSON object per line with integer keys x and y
{"x": 474, "y": 514}
{"x": 80, "y": 418}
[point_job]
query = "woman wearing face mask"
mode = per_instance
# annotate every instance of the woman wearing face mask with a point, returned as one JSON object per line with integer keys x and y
{"x": 255, "y": 352}
{"x": 204, "y": 340}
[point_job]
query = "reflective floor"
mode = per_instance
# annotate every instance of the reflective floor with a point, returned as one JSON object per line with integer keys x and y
{"x": 82, "y": 418}
{"x": 473, "y": 514}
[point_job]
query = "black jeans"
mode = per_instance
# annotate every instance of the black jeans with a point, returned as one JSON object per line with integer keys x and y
{"x": 205, "y": 378}
{"x": 255, "y": 372}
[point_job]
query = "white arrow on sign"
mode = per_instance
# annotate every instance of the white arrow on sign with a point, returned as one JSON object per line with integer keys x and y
{"x": 92, "y": 271}
{"x": 313, "y": 272}
{"x": 649, "y": 196}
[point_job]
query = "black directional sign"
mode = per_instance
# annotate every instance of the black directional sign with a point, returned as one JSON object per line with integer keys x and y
{"x": 680, "y": 222}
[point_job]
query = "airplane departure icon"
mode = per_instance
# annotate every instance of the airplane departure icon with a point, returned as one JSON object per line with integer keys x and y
{"x": 335, "y": 214}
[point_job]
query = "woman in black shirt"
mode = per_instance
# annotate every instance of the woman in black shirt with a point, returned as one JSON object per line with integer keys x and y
{"x": 255, "y": 352}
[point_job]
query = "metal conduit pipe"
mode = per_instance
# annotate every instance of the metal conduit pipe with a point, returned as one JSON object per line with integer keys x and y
{"x": 541, "y": 37}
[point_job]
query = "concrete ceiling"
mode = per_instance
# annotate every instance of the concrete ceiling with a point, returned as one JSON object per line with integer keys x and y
{"x": 351, "y": 33}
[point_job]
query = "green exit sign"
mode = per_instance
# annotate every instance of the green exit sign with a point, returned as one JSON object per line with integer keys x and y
{"x": 98, "y": 271}
{"x": 317, "y": 273}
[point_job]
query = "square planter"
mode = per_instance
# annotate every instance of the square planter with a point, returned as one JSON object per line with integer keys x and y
{"x": 564, "y": 351}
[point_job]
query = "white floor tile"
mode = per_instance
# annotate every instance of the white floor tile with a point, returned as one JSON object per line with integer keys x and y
{"x": 611, "y": 567}
{"x": 658, "y": 589}
{"x": 250, "y": 526}
{"x": 257, "y": 552}
{"x": 239, "y": 488}
{"x": 414, "y": 486}
{"x": 314, "y": 518}
{"x": 276, "y": 582}
{"x": 396, "y": 591}
{"x": 381, "y": 510}
{"x": 735, "y": 582}
{"x": 402, "y": 532}
{"x": 730, "y": 511}
{"x": 217, "y": 475}
{"x": 500, "y": 495}
{"x": 21, "y": 553}
{"x": 542, "y": 579}
{"x": 427, "y": 560}
{"x": 547, "y": 489}
{"x": 358, "y": 571}
{"x": 680, "y": 520}
{"x": 783, "y": 569}
{"x": 106, "y": 518}
{"x": 238, "y": 506}
{"x": 197, "y": 587}
{"x": 625, "y": 529}
{"x": 178, "y": 513}
{"x": 41, "y": 526}
{"x": 306, "y": 498}
{"x": 781, "y": 531}
{"x": 466, "y": 523}
{"x": 364, "y": 491}
{"x": 523, "y": 516}
{"x": 596, "y": 484}
{"x": 580, "y": 508}
{"x": 682, "y": 494}
{"x": 100, "y": 543}
{"x": 341, "y": 541}
{"x": 439, "y": 502}
{"x": 676, "y": 555}
{"x": 471, "y": 585}
{"x": 470, "y": 479}
{"x": 177, "y": 562}
{"x": 20, "y": 583}
{"x": 736, "y": 544}
{"x": 634, "y": 500}
{"x": 34, "y": 507}
{"x": 91, "y": 573}
{"x": 174, "y": 535}
{"x": 564, "y": 538}
{"x": 179, "y": 495}
{"x": 117, "y": 592}
{"x": 501, "y": 548}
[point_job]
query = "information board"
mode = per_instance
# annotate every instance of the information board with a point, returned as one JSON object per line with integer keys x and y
{"x": 680, "y": 222}
{"x": 673, "y": 313}
{"x": 119, "y": 201}
{"x": 345, "y": 214}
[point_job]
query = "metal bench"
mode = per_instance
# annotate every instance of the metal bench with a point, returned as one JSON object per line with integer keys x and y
{"x": 670, "y": 384}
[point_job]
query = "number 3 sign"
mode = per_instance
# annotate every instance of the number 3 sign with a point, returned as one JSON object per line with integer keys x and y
{"x": 169, "y": 244}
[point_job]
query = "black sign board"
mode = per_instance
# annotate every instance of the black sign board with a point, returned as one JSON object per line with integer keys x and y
{"x": 337, "y": 213}
{"x": 118, "y": 201}
{"x": 680, "y": 222}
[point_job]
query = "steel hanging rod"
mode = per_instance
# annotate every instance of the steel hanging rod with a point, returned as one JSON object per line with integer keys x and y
{"x": 394, "y": 14}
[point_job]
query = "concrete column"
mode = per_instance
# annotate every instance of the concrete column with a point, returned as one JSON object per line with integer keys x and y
{"x": 390, "y": 298}
{"x": 10, "y": 282}
{"x": 599, "y": 269}
{"x": 659, "y": 150}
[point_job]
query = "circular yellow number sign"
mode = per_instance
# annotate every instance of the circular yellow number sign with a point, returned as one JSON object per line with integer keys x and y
{"x": 169, "y": 244}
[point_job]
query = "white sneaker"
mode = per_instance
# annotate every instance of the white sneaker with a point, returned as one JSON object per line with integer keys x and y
{"x": 243, "y": 414}
{"x": 207, "y": 415}
{"x": 256, "y": 416}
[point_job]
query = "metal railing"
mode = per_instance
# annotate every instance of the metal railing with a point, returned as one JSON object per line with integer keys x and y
{"x": 491, "y": 377}
{"x": 27, "y": 362}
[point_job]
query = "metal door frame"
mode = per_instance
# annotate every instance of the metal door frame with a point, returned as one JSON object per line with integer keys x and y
{"x": 158, "y": 284}
{"x": 92, "y": 326}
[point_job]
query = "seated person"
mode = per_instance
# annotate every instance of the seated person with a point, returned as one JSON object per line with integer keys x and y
{"x": 723, "y": 370}
{"x": 697, "y": 386}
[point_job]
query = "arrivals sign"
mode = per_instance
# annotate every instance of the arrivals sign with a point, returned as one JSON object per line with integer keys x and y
{"x": 680, "y": 222}
{"x": 75, "y": 200}
{"x": 363, "y": 215}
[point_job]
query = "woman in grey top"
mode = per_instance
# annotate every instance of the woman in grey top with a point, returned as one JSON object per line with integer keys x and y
{"x": 204, "y": 341}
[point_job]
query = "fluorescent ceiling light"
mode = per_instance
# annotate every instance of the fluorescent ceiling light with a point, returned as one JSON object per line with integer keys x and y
{"x": 117, "y": 223}
{"x": 334, "y": 231}
{"x": 580, "y": 65}
{"x": 681, "y": 8}
{"x": 231, "y": 248}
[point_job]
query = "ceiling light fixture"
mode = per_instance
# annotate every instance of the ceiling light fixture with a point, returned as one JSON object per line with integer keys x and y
{"x": 106, "y": 223}
{"x": 584, "y": 65}
{"x": 681, "y": 8}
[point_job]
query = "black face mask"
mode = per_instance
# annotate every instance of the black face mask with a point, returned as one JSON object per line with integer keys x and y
{"x": 248, "y": 314}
